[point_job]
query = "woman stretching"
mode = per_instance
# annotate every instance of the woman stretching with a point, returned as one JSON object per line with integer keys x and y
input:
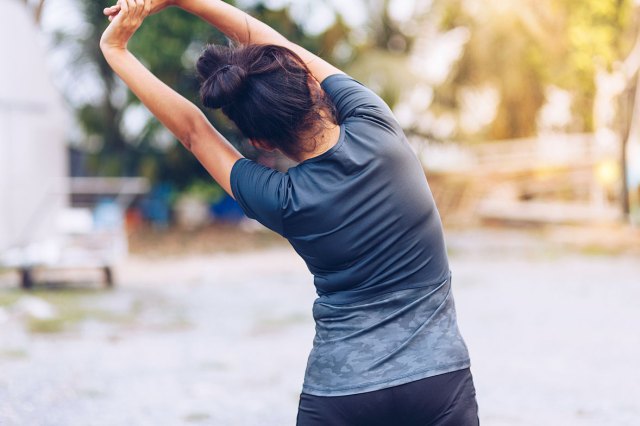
{"x": 357, "y": 208}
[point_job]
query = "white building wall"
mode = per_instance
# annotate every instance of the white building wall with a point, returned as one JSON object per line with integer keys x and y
{"x": 33, "y": 121}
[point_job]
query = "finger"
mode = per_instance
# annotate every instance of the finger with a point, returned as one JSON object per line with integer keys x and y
{"x": 145, "y": 8}
{"x": 124, "y": 7}
{"x": 116, "y": 16}
{"x": 142, "y": 8}
{"x": 112, "y": 9}
{"x": 132, "y": 8}
{"x": 132, "y": 11}
{"x": 113, "y": 14}
{"x": 139, "y": 8}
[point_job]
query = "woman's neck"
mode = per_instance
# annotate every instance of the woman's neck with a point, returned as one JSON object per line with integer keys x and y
{"x": 323, "y": 142}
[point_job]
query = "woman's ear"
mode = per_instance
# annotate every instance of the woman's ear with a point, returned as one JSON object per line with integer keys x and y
{"x": 263, "y": 145}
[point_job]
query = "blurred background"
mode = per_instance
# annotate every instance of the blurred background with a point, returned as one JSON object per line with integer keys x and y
{"x": 133, "y": 290}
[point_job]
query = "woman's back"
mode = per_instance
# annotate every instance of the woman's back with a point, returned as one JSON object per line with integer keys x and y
{"x": 361, "y": 214}
{"x": 362, "y": 217}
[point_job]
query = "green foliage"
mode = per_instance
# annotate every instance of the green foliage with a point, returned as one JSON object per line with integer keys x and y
{"x": 520, "y": 49}
{"x": 598, "y": 34}
{"x": 500, "y": 53}
{"x": 378, "y": 68}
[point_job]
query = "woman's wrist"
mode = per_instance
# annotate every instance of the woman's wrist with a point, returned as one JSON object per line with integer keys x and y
{"x": 159, "y": 5}
{"x": 115, "y": 56}
{"x": 112, "y": 46}
{"x": 110, "y": 49}
{"x": 182, "y": 4}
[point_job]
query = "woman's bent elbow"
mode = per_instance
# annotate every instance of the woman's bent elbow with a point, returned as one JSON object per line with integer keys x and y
{"x": 187, "y": 140}
{"x": 190, "y": 136}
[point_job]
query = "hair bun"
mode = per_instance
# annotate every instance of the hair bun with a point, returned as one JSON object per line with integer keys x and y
{"x": 224, "y": 86}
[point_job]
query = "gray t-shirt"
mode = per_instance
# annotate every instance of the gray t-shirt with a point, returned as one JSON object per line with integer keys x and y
{"x": 362, "y": 217}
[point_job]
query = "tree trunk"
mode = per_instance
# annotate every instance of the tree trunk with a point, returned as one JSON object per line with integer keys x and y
{"x": 626, "y": 113}
{"x": 632, "y": 138}
{"x": 630, "y": 122}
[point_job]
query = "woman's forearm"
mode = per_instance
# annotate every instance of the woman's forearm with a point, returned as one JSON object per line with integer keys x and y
{"x": 233, "y": 22}
{"x": 242, "y": 27}
{"x": 173, "y": 110}
{"x": 185, "y": 120}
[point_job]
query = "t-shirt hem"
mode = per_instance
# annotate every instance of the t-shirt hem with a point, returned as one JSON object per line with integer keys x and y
{"x": 369, "y": 387}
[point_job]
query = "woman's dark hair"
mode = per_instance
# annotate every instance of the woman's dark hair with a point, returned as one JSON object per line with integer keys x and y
{"x": 267, "y": 91}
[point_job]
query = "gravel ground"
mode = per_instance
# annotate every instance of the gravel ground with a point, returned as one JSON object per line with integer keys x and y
{"x": 222, "y": 339}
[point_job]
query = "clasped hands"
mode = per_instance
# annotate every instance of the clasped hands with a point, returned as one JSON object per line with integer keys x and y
{"x": 126, "y": 17}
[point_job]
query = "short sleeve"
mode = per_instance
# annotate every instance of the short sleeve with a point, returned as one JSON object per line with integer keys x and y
{"x": 352, "y": 98}
{"x": 260, "y": 191}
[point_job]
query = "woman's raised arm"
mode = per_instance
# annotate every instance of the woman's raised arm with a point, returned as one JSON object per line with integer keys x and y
{"x": 185, "y": 120}
{"x": 246, "y": 29}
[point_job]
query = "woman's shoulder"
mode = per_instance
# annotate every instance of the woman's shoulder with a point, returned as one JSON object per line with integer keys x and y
{"x": 355, "y": 101}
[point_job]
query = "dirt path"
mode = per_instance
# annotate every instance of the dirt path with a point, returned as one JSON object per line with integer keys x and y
{"x": 223, "y": 339}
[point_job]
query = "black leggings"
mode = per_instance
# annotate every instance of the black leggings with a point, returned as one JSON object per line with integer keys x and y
{"x": 445, "y": 400}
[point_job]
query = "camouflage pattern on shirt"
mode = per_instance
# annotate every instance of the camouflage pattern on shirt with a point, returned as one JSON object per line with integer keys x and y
{"x": 384, "y": 341}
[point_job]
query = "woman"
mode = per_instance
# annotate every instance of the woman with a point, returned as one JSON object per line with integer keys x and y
{"x": 357, "y": 208}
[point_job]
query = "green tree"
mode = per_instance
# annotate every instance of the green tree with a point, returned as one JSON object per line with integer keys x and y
{"x": 521, "y": 48}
